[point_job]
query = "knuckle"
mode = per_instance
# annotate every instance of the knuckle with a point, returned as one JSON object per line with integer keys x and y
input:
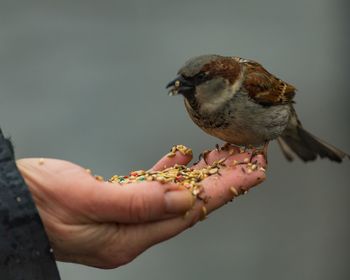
{"x": 139, "y": 209}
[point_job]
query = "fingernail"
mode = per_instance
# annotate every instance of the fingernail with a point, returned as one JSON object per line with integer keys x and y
{"x": 178, "y": 202}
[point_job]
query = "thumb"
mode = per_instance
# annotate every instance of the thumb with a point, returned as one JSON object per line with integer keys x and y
{"x": 138, "y": 202}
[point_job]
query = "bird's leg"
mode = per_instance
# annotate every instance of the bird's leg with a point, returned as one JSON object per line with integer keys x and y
{"x": 231, "y": 150}
{"x": 259, "y": 151}
{"x": 203, "y": 155}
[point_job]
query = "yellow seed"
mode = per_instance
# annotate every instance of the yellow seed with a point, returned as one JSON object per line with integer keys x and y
{"x": 41, "y": 161}
{"x": 262, "y": 169}
{"x": 246, "y": 160}
{"x": 221, "y": 160}
{"x": 171, "y": 154}
{"x": 177, "y": 83}
{"x": 186, "y": 215}
{"x": 99, "y": 178}
{"x": 196, "y": 191}
{"x": 234, "y": 191}
{"x": 160, "y": 179}
{"x": 204, "y": 212}
{"x": 213, "y": 170}
{"x": 88, "y": 170}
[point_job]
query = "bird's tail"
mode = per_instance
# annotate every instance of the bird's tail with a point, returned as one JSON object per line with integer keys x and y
{"x": 296, "y": 140}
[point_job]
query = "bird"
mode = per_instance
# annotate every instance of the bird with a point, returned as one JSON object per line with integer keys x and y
{"x": 238, "y": 101}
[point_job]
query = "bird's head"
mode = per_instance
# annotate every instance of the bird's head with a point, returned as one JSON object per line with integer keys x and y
{"x": 208, "y": 79}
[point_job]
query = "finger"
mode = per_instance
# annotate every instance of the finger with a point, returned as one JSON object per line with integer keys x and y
{"x": 233, "y": 180}
{"x": 71, "y": 189}
{"x": 149, "y": 201}
{"x": 138, "y": 202}
{"x": 172, "y": 158}
{"x": 219, "y": 190}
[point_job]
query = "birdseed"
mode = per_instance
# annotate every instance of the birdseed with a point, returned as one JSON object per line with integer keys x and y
{"x": 204, "y": 213}
{"x": 99, "y": 178}
{"x": 179, "y": 174}
{"x": 184, "y": 176}
{"x": 181, "y": 148}
{"x": 234, "y": 191}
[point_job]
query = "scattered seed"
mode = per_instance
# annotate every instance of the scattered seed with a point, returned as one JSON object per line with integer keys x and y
{"x": 88, "y": 170}
{"x": 262, "y": 169}
{"x": 204, "y": 212}
{"x": 41, "y": 161}
{"x": 18, "y": 199}
{"x": 221, "y": 161}
{"x": 246, "y": 160}
{"x": 160, "y": 179}
{"x": 182, "y": 149}
{"x": 171, "y": 154}
{"x": 234, "y": 191}
{"x": 213, "y": 170}
{"x": 99, "y": 178}
{"x": 186, "y": 215}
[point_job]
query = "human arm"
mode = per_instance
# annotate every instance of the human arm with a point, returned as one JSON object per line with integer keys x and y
{"x": 24, "y": 247}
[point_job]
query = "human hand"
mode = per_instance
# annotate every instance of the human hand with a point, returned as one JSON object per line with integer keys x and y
{"x": 107, "y": 225}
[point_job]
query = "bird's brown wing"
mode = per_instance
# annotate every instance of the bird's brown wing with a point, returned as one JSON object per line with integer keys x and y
{"x": 264, "y": 88}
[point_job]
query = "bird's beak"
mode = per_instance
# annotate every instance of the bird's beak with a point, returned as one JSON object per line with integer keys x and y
{"x": 179, "y": 86}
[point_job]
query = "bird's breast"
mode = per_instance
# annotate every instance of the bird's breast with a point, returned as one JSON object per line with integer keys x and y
{"x": 241, "y": 121}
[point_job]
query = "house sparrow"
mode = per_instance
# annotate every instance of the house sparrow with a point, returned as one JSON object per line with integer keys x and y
{"x": 240, "y": 102}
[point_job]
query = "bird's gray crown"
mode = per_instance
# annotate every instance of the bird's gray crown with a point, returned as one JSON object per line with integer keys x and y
{"x": 194, "y": 65}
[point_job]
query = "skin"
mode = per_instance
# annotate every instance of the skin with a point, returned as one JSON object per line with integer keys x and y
{"x": 107, "y": 225}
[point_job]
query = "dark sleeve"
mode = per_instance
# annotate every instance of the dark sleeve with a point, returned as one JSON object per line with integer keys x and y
{"x": 25, "y": 252}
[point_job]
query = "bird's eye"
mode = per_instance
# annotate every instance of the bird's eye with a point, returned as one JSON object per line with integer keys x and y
{"x": 201, "y": 76}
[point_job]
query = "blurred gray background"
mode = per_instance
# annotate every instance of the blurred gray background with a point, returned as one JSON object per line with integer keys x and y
{"x": 84, "y": 81}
